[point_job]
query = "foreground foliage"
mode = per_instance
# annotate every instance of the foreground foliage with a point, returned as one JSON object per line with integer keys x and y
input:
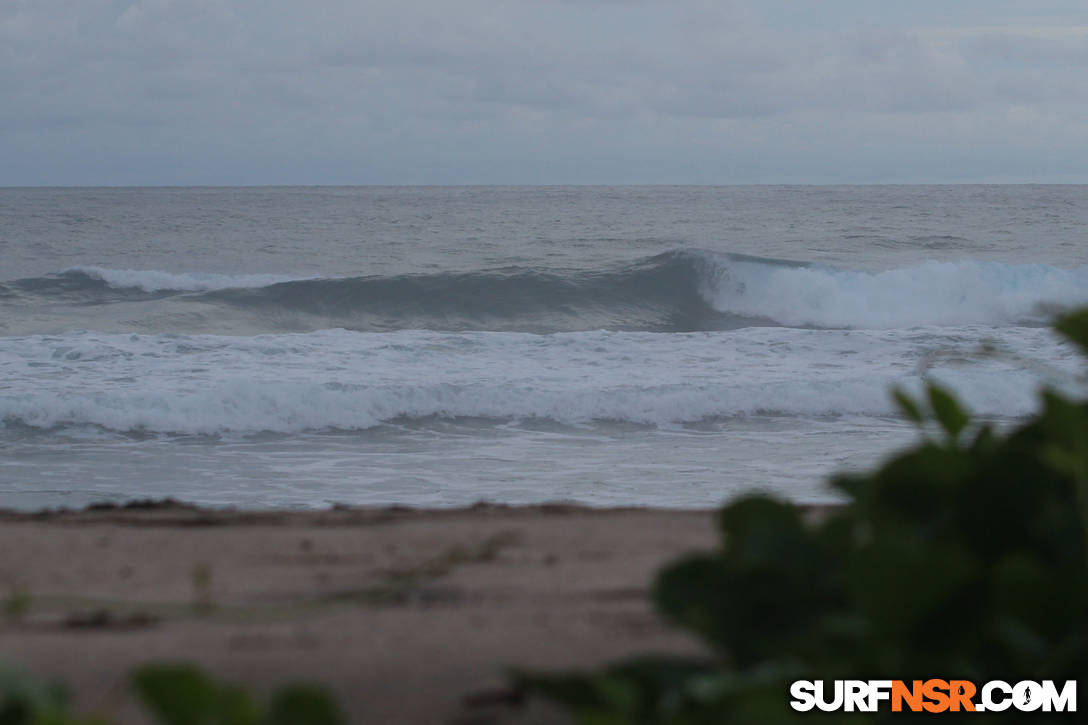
{"x": 174, "y": 695}
{"x": 964, "y": 557}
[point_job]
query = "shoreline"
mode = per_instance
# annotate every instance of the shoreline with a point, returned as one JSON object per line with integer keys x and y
{"x": 407, "y": 615}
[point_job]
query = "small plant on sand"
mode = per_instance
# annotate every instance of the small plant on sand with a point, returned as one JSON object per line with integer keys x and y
{"x": 16, "y": 604}
{"x": 201, "y": 577}
{"x": 964, "y": 557}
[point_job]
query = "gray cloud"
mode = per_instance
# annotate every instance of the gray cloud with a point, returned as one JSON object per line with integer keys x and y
{"x": 485, "y": 91}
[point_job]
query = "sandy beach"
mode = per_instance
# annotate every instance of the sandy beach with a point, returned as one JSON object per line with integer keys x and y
{"x": 409, "y": 616}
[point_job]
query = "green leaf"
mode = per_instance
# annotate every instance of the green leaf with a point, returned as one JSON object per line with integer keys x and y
{"x": 303, "y": 705}
{"x": 26, "y": 700}
{"x": 947, "y": 409}
{"x": 692, "y": 592}
{"x": 645, "y": 689}
{"x": 1075, "y": 327}
{"x": 236, "y": 707}
{"x": 907, "y": 406}
{"x": 178, "y": 694}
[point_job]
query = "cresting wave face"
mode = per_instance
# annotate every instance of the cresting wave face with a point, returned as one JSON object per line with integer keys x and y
{"x": 678, "y": 291}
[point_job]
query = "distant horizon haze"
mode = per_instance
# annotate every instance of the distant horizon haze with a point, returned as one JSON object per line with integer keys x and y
{"x": 540, "y": 185}
{"x": 595, "y": 92}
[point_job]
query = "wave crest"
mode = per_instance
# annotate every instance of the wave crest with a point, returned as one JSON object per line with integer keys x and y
{"x": 933, "y": 293}
{"x": 150, "y": 280}
{"x": 678, "y": 291}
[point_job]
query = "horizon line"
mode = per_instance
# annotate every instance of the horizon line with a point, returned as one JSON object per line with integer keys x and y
{"x": 541, "y": 186}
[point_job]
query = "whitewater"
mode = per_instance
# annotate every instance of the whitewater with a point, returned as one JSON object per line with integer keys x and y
{"x": 614, "y": 346}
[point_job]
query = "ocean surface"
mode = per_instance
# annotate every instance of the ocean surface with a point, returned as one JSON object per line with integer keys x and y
{"x": 436, "y": 346}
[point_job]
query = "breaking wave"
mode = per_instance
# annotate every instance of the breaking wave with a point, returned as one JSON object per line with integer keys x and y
{"x": 677, "y": 291}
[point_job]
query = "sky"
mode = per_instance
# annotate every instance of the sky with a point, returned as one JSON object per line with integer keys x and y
{"x": 253, "y": 92}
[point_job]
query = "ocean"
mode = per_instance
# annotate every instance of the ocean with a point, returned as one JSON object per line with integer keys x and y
{"x": 438, "y": 346}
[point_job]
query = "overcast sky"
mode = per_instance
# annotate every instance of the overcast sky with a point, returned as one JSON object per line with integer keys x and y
{"x": 553, "y": 91}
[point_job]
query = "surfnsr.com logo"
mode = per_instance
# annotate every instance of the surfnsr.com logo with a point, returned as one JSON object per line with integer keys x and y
{"x": 933, "y": 696}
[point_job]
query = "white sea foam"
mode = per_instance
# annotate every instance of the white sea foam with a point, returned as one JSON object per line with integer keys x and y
{"x": 336, "y": 379}
{"x": 932, "y": 293}
{"x": 151, "y": 280}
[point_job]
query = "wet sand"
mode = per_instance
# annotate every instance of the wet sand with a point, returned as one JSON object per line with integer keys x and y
{"x": 409, "y": 616}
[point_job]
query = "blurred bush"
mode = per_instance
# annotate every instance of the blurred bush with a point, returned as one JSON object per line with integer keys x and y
{"x": 174, "y": 695}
